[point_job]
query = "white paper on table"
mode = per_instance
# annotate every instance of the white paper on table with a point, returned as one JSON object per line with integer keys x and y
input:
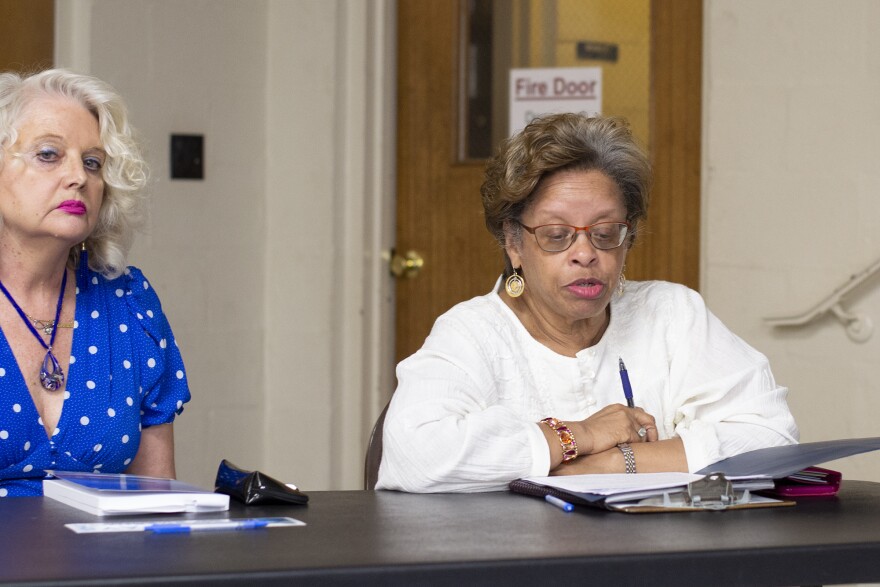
{"x": 612, "y": 484}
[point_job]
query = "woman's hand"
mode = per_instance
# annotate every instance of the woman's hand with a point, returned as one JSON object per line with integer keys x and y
{"x": 613, "y": 425}
{"x": 604, "y": 430}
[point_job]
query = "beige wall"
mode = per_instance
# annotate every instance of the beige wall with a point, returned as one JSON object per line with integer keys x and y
{"x": 791, "y": 197}
{"x": 270, "y": 268}
{"x": 197, "y": 67}
{"x": 283, "y": 333}
{"x": 329, "y": 217}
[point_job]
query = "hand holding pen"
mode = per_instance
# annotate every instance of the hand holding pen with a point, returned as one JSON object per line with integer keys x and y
{"x": 628, "y": 393}
{"x": 627, "y": 388}
{"x": 602, "y": 431}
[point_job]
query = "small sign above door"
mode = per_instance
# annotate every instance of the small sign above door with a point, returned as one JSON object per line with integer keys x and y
{"x": 596, "y": 50}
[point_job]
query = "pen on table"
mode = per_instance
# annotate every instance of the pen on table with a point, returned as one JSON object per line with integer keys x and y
{"x": 624, "y": 379}
{"x": 560, "y": 503}
{"x": 210, "y": 527}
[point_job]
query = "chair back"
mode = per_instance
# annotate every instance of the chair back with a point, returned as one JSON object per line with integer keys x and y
{"x": 374, "y": 452}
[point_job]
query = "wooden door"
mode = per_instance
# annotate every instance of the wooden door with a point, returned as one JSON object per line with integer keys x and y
{"x": 439, "y": 214}
{"x": 27, "y": 32}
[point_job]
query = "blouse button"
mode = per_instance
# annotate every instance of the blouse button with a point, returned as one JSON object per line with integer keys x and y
{"x": 591, "y": 400}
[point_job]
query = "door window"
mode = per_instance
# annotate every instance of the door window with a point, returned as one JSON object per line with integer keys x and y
{"x": 499, "y": 35}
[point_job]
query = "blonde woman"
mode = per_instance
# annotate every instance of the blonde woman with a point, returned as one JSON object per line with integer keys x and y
{"x": 91, "y": 378}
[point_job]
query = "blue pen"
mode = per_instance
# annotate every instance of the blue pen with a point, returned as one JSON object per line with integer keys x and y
{"x": 624, "y": 379}
{"x": 560, "y": 503}
{"x": 206, "y": 526}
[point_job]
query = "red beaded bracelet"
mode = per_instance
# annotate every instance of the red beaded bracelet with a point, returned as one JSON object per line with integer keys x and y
{"x": 566, "y": 438}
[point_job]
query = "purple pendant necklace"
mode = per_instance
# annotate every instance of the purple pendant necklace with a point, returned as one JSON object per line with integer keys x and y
{"x": 51, "y": 375}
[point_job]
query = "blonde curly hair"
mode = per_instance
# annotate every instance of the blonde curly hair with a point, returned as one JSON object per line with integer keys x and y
{"x": 124, "y": 172}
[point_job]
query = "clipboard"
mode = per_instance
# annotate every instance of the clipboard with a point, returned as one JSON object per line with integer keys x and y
{"x": 713, "y": 492}
{"x": 793, "y": 467}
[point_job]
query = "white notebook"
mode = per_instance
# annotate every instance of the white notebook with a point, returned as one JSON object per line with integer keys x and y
{"x": 106, "y": 494}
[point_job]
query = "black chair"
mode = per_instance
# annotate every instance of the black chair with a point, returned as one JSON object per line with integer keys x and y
{"x": 374, "y": 452}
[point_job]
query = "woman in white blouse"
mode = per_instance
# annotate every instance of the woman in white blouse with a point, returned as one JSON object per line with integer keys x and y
{"x": 526, "y": 380}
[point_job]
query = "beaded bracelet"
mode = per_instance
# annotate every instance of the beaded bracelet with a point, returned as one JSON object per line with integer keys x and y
{"x": 566, "y": 438}
{"x": 629, "y": 457}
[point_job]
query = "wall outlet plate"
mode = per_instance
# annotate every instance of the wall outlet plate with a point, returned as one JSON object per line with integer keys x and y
{"x": 187, "y": 157}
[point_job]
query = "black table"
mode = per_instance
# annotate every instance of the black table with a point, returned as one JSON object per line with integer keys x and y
{"x": 364, "y": 537}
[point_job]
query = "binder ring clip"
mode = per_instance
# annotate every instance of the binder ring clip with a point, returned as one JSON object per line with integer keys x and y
{"x": 712, "y": 492}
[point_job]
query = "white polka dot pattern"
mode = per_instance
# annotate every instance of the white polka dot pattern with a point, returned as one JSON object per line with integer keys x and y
{"x": 124, "y": 343}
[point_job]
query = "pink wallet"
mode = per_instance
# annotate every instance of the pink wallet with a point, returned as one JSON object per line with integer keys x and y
{"x": 811, "y": 482}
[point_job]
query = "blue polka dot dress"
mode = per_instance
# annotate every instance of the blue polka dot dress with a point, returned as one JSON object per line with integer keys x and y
{"x": 125, "y": 372}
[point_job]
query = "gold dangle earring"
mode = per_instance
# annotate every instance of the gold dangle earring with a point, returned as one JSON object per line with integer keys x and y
{"x": 621, "y": 282}
{"x": 515, "y": 285}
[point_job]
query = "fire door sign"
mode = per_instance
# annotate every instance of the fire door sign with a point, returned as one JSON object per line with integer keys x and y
{"x": 537, "y": 91}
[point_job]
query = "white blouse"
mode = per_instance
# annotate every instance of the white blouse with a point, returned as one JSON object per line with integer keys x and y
{"x": 466, "y": 411}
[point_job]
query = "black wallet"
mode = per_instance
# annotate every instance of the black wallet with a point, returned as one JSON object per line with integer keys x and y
{"x": 254, "y": 487}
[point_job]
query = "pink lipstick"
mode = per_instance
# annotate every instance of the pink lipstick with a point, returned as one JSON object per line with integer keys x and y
{"x": 74, "y": 207}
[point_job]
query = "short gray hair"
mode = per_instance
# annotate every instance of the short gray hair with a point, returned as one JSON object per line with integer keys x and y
{"x": 563, "y": 142}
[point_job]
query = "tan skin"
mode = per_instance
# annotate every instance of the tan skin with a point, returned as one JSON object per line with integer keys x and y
{"x": 565, "y": 306}
{"x": 56, "y": 158}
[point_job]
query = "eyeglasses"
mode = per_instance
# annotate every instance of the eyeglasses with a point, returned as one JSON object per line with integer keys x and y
{"x": 555, "y": 238}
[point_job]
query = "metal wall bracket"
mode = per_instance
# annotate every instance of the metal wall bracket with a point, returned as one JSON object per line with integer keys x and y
{"x": 858, "y": 326}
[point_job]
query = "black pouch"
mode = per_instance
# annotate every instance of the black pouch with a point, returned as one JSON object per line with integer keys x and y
{"x": 254, "y": 487}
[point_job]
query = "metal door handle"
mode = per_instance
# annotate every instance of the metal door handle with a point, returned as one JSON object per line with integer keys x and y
{"x": 407, "y": 266}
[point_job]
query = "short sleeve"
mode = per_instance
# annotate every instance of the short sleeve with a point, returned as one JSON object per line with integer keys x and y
{"x": 164, "y": 388}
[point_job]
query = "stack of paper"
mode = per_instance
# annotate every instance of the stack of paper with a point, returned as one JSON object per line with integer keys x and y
{"x": 105, "y": 494}
{"x": 642, "y": 490}
{"x": 743, "y": 474}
